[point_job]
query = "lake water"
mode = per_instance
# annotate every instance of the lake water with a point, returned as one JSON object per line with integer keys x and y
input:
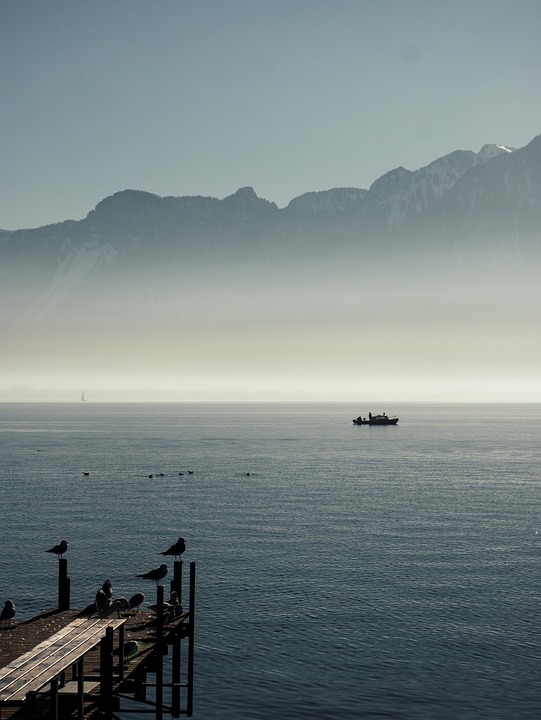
{"x": 356, "y": 572}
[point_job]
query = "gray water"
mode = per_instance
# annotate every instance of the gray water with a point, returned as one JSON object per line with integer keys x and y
{"x": 356, "y": 572}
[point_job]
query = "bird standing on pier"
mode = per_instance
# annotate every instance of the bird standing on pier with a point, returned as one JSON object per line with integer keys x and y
{"x": 107, "y": 589}
{"x": 119, "y": 604}
{"x": 8, "y": 611}
{"x": 59, "y": 549}
{"x": 136, "y": 601}
{"x": 103, "y": 603}
{"x": 174, "y": 602}
{"x": 176, "y": 549}
{"x": 156, "y": 574}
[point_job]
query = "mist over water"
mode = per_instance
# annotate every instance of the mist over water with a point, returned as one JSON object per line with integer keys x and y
{"x": 331, "y": 325}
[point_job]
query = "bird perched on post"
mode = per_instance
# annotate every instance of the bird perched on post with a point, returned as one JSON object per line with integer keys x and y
{"x": 156, "y": 574}
{"x": 8, "y": 611}
{"x": 176, "y": 549}
{"x": 59, "y": 549}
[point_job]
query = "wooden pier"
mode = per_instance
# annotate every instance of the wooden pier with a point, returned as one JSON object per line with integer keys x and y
{"x": 66, "y": 663}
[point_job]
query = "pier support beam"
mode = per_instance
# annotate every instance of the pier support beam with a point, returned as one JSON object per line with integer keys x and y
{"x": 191, "y": 642}
{"x": 63, "y": 585}
{"x": 176, "y": 582}
{"x": 106, "y": 674}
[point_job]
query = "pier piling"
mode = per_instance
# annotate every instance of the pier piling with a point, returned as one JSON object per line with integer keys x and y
{"x": 63, "y": 585}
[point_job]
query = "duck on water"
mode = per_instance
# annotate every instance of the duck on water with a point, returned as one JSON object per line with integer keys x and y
{"x": 382, "y": 419}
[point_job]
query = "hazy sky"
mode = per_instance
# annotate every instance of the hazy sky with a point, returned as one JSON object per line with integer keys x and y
{"x": 188, "y": 97}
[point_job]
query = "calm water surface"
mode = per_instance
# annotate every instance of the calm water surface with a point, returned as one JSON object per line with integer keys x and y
{"x": 357, "y": 572}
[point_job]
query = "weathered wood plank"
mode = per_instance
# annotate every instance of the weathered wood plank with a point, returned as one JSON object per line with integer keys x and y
{"x": 24, "y": 658}
{"x": 42, "y": 664}
{"x": 41, "y": 652}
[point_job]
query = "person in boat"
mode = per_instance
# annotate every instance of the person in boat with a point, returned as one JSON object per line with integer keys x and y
{"x": 370, "y": 416}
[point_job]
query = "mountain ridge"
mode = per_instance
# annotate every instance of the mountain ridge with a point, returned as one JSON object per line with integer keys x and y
{"x": 335, "y": 200}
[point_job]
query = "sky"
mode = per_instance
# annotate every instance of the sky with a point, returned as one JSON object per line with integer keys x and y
{"x": 184, "y": 97}
{"x": 202, "y": 97}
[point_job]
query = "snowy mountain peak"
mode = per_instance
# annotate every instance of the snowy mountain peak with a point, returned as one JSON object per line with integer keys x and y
{"x": 488, "y": 151}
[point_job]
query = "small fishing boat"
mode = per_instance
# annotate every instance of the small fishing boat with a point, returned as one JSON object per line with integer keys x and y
{"x": 382, "y": 419}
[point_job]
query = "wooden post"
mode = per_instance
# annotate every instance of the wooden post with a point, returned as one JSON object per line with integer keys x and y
{"x": 54, "y": 698}
{"x": 140, "y": 692}
{"x": 63, "y": 585}
{"x": 106, "y": 673}
{"x": 121, "y": 658}
{"x": 191, "y": 644}
{"x": 30, "y": 706}
{"x": 159, "y": 654}
{"x": 176, "y": 582}
{"x": 81, "y": 688}
{"x": 175, "y": 675}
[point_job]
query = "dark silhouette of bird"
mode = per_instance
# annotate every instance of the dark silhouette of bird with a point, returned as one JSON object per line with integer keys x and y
{"x": 8, "y": 611}
{"x": 86, "y": 473}
{"x": 107, "y": 589}
{"x": 59, "y": 549}
{"x": 176, "y": 549}
{"x": 119, "y": 604}
{"x": 136, "y": 601}
{"x": 174, "y": 602}
{"x": 157, "y": 574}
{"x": 103, "y": 603}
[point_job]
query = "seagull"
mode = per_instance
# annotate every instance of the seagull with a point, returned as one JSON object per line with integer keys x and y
{"x": 156, "y": 574}
{"x": 169, "y": 614}
{"x": 136, "y": 600}
{"x": 8, "y": 611}
{"x": 86, "y": 473}
{"x": 119, "y": 604}
{"x": 103, "y": 603}
{"x": 107, "y": 589}
{"x": 174, "y": 603}
{"x": 176, "y": 549}
{"x": 59, "y": 549}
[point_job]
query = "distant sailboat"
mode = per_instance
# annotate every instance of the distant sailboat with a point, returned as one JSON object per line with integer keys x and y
{"x": 83, "y": 396}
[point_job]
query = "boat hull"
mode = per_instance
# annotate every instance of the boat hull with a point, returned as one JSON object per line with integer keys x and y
{"x": 375, "y": 421}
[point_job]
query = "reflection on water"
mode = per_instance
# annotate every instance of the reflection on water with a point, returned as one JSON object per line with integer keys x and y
{"x": 355, "y": 572}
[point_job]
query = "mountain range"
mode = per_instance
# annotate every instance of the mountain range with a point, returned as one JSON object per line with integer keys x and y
{"x": 460, "y": 229}
{"x": 492, "y": 194}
